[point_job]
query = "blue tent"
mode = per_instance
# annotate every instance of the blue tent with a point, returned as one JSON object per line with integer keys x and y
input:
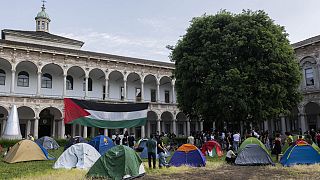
{"x": 300, "y": 154}
{"x": 188, "y": 154}
{"x": 142, "y": 145}
{"x": 102, "y": 144}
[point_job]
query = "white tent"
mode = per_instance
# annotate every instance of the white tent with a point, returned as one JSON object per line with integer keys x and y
{"x": 81, "y": 156}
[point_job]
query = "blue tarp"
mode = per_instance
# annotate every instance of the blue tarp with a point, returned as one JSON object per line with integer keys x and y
{"x": 102, "y": 144}
{"x": 191, "y": 158}
{"x": 300, "y": 154}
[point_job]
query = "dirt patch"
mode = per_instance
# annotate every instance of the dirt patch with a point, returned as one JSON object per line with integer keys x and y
{"x": 239, "y": 172}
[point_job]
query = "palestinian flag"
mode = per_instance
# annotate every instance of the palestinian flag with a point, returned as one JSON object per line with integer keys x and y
{"x": 102, "y": 115}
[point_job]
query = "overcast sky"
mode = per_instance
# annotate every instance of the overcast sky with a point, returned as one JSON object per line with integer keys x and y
{"x": 142, "y": 28}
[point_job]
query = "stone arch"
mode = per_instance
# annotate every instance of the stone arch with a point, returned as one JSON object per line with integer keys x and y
{"x": 56, "y": 71}
{"x": 98, "y": 78}
{"x": 26, "y": 116}
{"x": 49, "y": 117}
{"x": 307, "y": 59}
{"x": 3, "y": 117}
{"x": 116, "y": 85}
{"x": 134, "y": 86}
{"x": 6, "y": 66}
{"x": 165, "y": 88}
{"x": 167, "y": 119}
{"x": 30, "y": 87}
{"x": 312, "y": 110}
{"x": 78, "y": 75}
{"x": 181, "y": 124}
{"x": 150, "y": 87}
{"x": 293, "y": 120}
{"x": 152, "y": 118}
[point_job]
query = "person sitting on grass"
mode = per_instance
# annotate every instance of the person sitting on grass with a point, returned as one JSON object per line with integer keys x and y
{"x": 230, "y": 156}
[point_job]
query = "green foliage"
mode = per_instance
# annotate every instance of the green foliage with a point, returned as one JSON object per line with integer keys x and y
{"x": 232, "y": 67}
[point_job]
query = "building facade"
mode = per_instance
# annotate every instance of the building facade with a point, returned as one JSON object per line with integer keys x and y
{"x": 39, "y": 69}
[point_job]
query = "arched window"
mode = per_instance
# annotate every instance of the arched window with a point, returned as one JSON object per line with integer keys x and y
{"x": 89, "y": 82}
{"x": 69, "y": 83}
{"x": 2, "y": 77}
{"x": 23, "y": 79}
{"x": 46, "y": 81}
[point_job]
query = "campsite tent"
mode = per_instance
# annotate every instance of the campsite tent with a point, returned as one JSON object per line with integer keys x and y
{"x": 301, "y": 153}
{"x": 188, "y": 154}
{"x": 25, "y": 150}
{"x": 211, "y": 148}
{"x": 144, "y": 152}
{"x": 47, "y": 142}
{"x": 102, "y": 143}
{"x": 74, "y": 140}
{"x": 81, "y": 155}
{"x": 253, "y": 152}
{"x": 119, "y": 162}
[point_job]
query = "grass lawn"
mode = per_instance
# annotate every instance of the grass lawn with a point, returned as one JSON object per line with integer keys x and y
{"x": 216, "y": 168}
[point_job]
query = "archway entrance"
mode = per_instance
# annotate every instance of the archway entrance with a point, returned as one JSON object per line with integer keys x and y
{"x": 49, "y": 122}
{"x": 312, "y": 111}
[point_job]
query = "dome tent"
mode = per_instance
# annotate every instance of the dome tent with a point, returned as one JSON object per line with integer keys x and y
{"x": 81, "y": 155}
{"x": 120, "y": 162}
{"x": 47, "y": 142}
{"x": 188, "y": 154}
{"x": 102, "y": 143}
{"x": 25, "y": 150}
{"x": 74, "y": 140}
{"x": 212, "y": 148}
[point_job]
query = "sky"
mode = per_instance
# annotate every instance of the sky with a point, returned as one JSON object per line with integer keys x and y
{"x": 143, "y": 28}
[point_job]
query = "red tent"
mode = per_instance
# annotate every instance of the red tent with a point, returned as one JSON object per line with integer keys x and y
{"x": 211, "y": 148}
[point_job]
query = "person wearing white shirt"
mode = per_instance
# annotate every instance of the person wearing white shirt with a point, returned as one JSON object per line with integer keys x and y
{"x": 236, "y": 141}
{"x": 230, "y": 156}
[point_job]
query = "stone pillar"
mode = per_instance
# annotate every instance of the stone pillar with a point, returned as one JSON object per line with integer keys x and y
{"x": 197, "y": 126}
{"x": 13, "y": 73}
{"x": 85, "y": 132}
{"x": 73, "y": 130}
{"x": 163, "y": 127}
{"x": 265, "y": 125}
{"x": 106, "y": 89}
{"x": 64, "y": 90}
{"x": 53, "y": 129}
{"x": 87, "y": 85}
{"x": 174, "y": 126}
{"x": 188, "y": 127}
{"x": 185, "y": 128}
{"x": 159, "y": 126}
{"x": 143, "y": 133}
{"x": 213, "y": 125}
{"x": 63, "y": 129}
{"x": 93, "y": 132}
{"x": 28, "y": 127}
{"x": 105, "y": 132}
{"x": 283, "y": 124}
{"x": 201, "y": 125}
{"x": 39, "y": 84}
{"x": 36, "y": 127}
{"x": 172, "y": 84}
{"x": 303, "y": 123}
{"x": 4, "y": 122}
{"x": 158, "y": 92}
{"x": 142, "y": 91}
{"x": 125, "y": 89}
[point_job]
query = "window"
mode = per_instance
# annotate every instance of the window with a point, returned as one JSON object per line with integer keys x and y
{"x": 46, "y": 81}
{"x": 69, "y": 83}
{"x": 23, "y": 79}
{"x": 166, "y": 96}
{"x": 2, "y": 77}
{"x": 122, "y": 93}
{"x": 153, "y": 95}
{"x": 309, "y": 77}
{"x": 42, "y": 25}
{"x": 138, "y": 94}
{"x": 89, "y": 86}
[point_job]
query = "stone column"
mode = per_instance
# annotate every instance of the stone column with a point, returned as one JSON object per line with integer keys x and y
{"x": 188, "y": 127}
{"x": 63, "y": 129}
{"x": 159, "y": 125}
{"x": 213, "y": 125}
{"x": 185, "y": 128}
{"x": 265, "y": 125}
{"x": 163, "y": 127}
{"x": 106, "y": 132}
{"x": 125, "y": 89}
{"x": 53, "y": 128}
{"x": 13, "y": 73}
{"x": 172, "y": 84}
{"x": 87, "y": 85}
{"x": 64, "y": 90}
{"x": 106, "y": 89}
{"x": 28, "y": 127}
{"x": 201, "y": 125}
{"x": 174, "y": 126}
{"x": 73, "y": 130}
{"x": 93, "y": 132}
{"x": 283, "y": 124}
{"x": 143, "y": 133}
{"x": 4, "y": 122}
{"x": 158, "y": 92}
{"x": 85, "y": 132}
{"x": 142, "y": 91}
{"x": 36, "y": 127}
{"x": 303, "y": 123}
{"x": 39, "y": 84}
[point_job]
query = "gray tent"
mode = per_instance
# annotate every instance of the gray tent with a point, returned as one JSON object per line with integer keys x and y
{"x": 253, "y": 154}
{"x": 48, "y": 143}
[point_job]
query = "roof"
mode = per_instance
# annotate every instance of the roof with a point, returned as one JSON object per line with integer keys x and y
{"x": 87, "y": 53}
{"x": 40, "y": 35}
{"x": 306, "y": 42}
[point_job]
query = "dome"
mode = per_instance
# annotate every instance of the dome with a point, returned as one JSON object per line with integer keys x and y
{"x": 42, "y": 14}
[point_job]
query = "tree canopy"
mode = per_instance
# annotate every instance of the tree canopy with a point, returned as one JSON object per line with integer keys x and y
{"x": 232, "y": 67}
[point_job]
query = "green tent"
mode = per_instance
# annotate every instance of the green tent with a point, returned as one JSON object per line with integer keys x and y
{"x": 120, "y": 162}
{"x": 252, "y": 140}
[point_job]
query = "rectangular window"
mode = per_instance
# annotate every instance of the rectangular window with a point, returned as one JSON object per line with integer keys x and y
{"x": 46, "y": 83}
{"x": 23, "y": 82}
{"x": 138, "y": 94}
{"x": 122, "y": 93}
{"x": 153, "y": 95}
{"x": 166, "y": 96}
{"x": 309, "y": 77}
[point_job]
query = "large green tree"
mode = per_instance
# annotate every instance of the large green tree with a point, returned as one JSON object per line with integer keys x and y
{"x": 232, "y": 67}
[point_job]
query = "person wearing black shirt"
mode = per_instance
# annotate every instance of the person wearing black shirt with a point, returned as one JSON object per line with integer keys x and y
{"x": 131, "y": 141}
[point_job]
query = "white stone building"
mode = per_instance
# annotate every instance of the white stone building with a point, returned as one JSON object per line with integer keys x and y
{"x": 39, "y": 69}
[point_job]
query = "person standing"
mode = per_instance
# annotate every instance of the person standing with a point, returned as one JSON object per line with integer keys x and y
{"x": 151, "y": 144}
{"x": 161, "y": 153}
{"x": 117, "y": 140}
{"x": 236, "y": 141}
{"x": 191, "y": 139}
{"x": 277, "y": 146}
{"x": 131, "y": 140}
